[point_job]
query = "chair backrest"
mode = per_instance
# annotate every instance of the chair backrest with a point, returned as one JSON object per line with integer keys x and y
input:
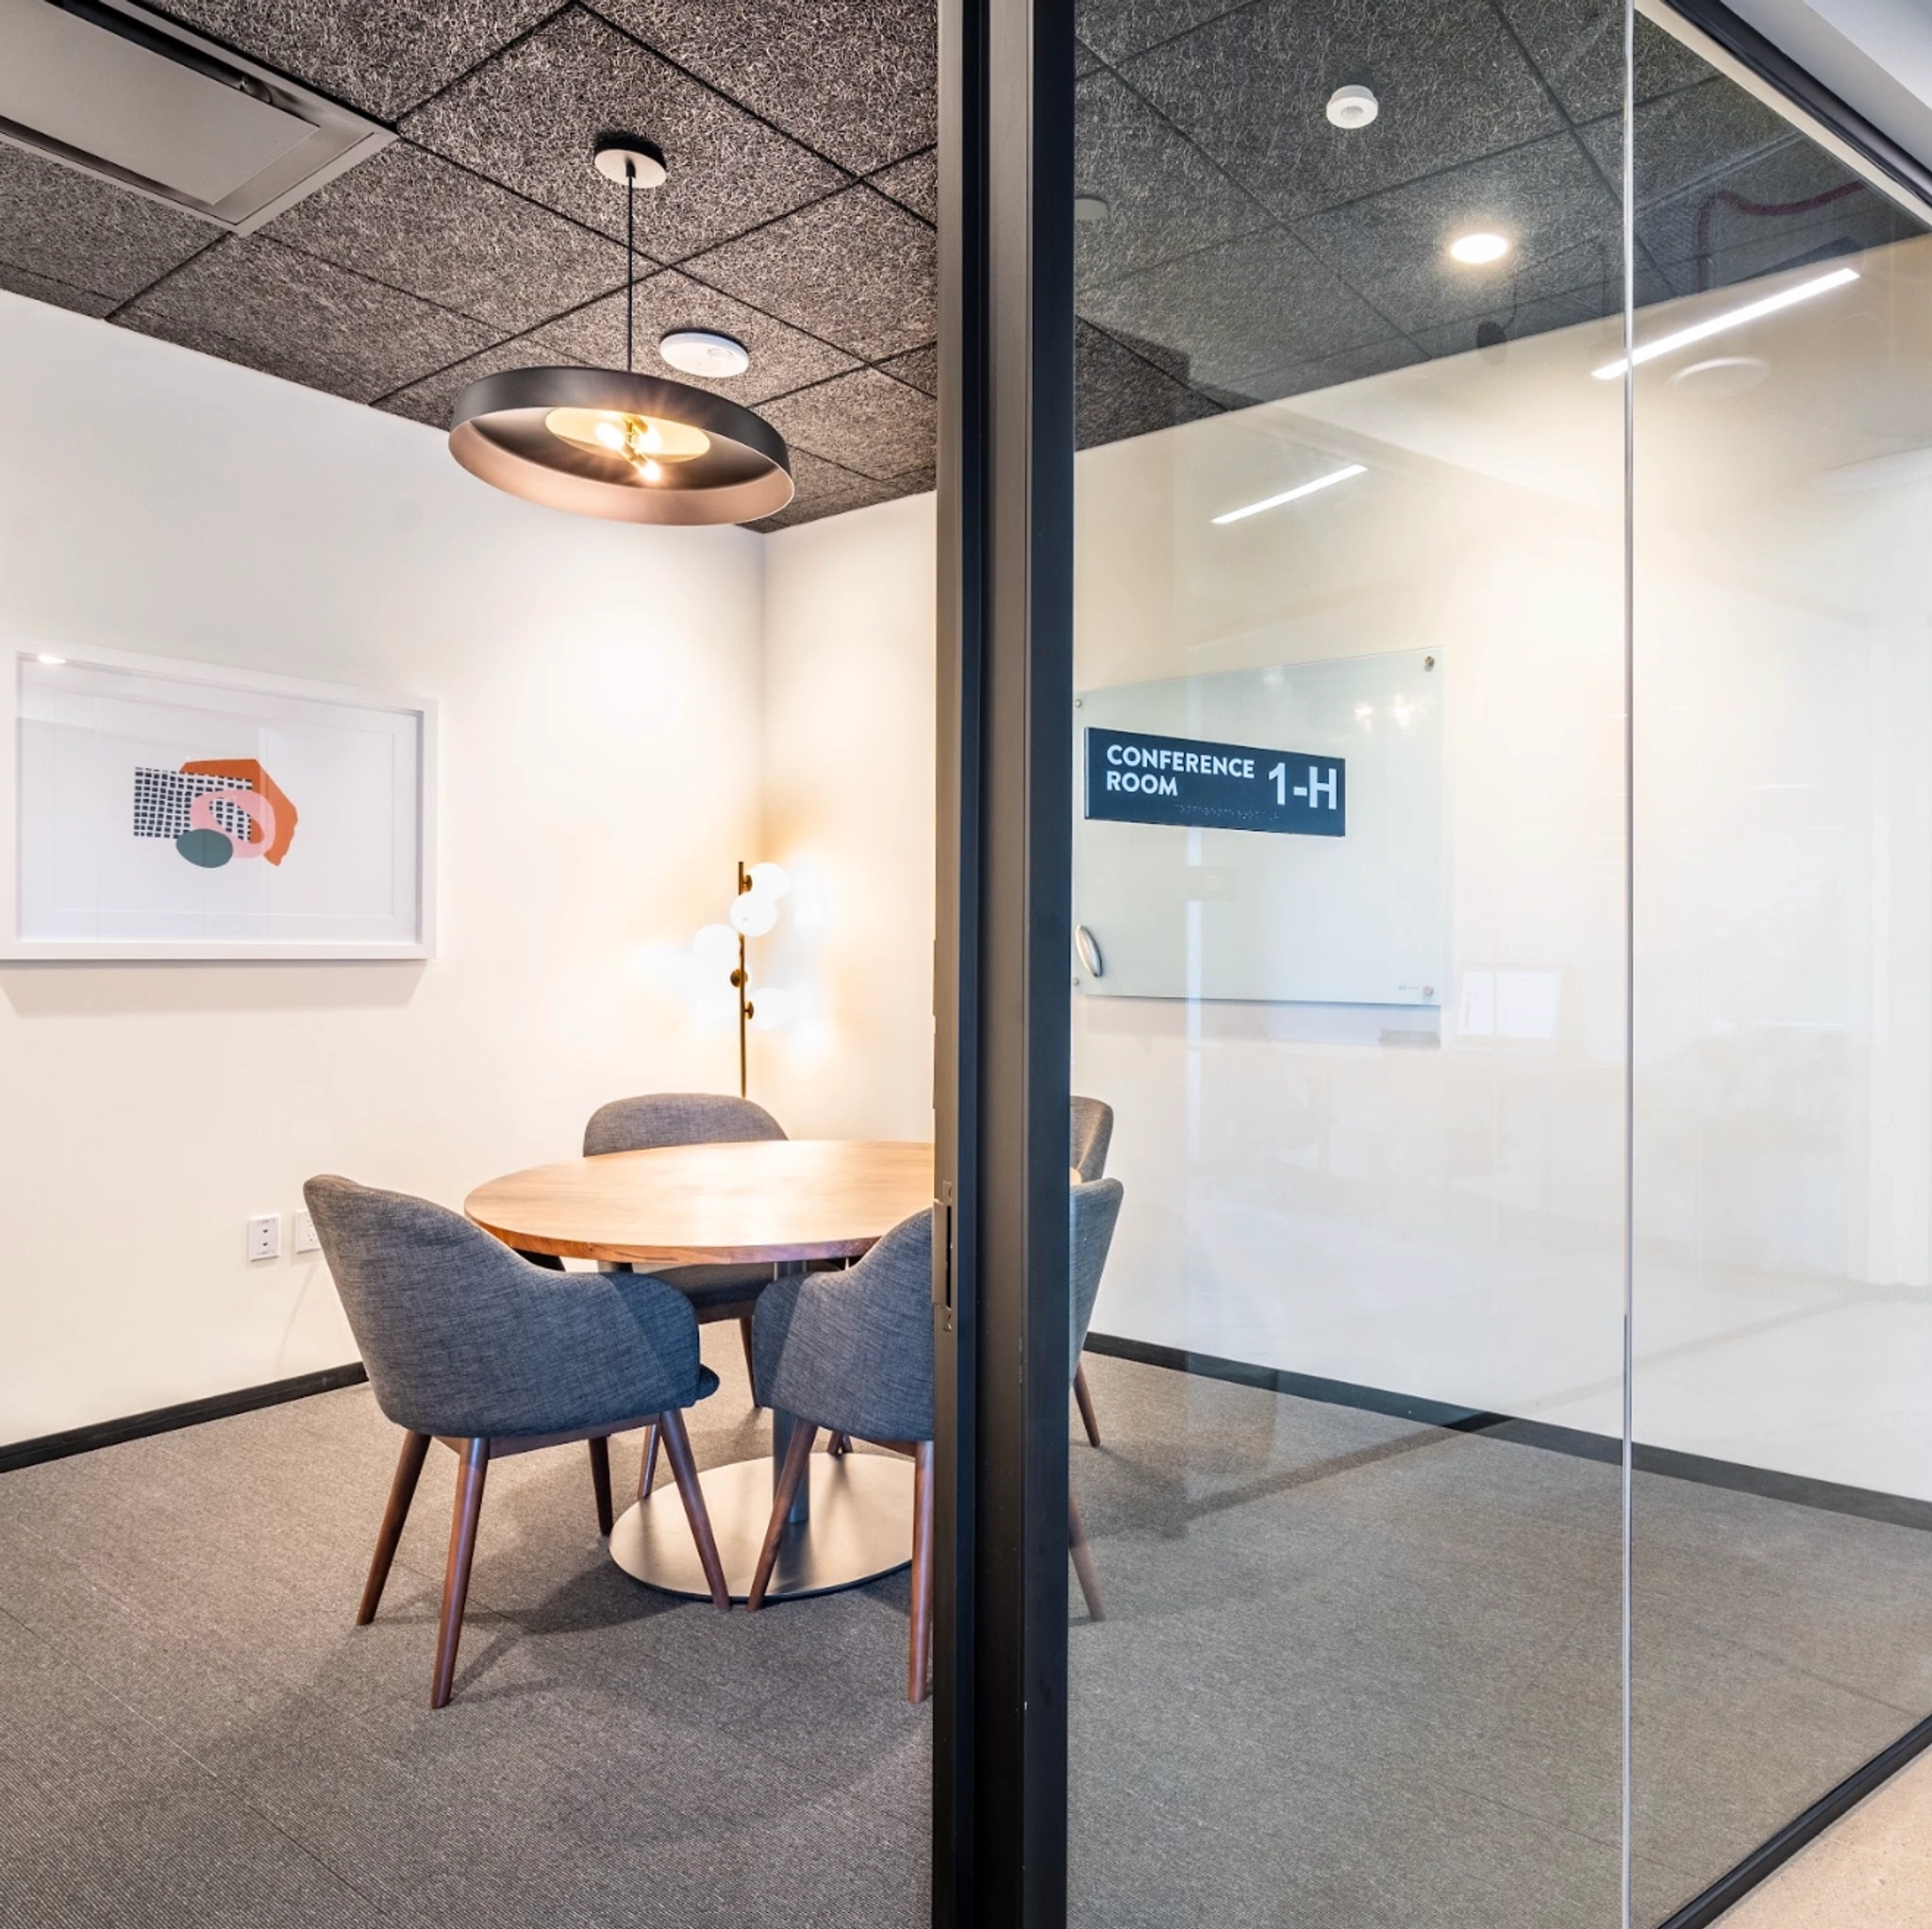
{"x": 1091, "y": 1133}
{"x": 461, "y": 1337}
{"x": 853, "y": 1349}
{"x": 677, "y": 1118}
{"x": 1095, "y": 1209}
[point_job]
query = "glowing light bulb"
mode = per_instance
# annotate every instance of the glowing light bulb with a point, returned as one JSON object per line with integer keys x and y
{"x": 770, "y": 879}
{"x": 650, "y": 470}
{"x": 610, "y": 435}
{"x": 650, "y": 439}
{"x": 1478, "y": 250}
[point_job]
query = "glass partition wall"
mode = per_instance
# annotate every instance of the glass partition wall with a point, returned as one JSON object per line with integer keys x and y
{"x": 1500, "y": 901}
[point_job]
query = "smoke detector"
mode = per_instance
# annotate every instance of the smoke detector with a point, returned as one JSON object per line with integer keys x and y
{"x": 1353, "y": 107}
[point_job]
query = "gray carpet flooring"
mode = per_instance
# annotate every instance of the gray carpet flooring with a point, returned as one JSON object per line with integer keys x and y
{"x": 1355, "y": 1674}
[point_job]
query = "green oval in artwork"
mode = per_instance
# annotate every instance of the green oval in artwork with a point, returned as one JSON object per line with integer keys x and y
{"x": 211, "y": 849}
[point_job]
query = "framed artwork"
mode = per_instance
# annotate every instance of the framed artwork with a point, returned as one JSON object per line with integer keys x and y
{"x": 158, "y": 810}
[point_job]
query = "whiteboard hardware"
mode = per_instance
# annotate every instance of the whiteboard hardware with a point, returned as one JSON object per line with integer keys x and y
{"x": 1090, "y": 951}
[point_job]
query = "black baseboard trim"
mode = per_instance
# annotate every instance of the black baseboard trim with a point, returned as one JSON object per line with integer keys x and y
{"x": 1866, "y": 1503}
{"x": 1728, "y": 1890}
{"x": 164, "y": 1420}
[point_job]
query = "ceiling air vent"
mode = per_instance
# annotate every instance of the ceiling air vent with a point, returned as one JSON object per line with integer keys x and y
{"x": 123, "y": 94}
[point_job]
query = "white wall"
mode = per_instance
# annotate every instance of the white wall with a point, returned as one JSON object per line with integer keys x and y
{"x": 155, "y": 500}
{"x": 848, "y": 763}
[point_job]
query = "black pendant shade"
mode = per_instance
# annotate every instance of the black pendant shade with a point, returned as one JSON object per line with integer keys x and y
{"x": 629, "y": 447}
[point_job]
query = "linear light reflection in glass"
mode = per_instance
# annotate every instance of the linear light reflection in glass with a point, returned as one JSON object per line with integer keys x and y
{"x": 1294, "y": 495}
{"x": 1733, "y": 318}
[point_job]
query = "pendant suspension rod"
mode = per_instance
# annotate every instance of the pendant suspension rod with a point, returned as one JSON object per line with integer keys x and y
{"x": 630, "y": 259}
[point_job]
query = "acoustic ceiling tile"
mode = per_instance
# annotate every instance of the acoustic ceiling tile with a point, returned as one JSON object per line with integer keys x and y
{"x": 854, "y": 79}
{"x": 1241, "y": 317}
{"x": 78, "y": 232}
{"x": 269, "y": 308}
{"x": 421, "y": 224}
{"x": 865, "y": 422}
{"x": 1118, "y": 393}
{"x": 373, "y": 54}
{"x": 856, "y": 268}
{"x": 1252, "y": 89}
{"x": 824, "y": 488}
{"x": 530, "y": 119}
{"x": 1546, "y": 198}
{"x": 913, "y": 183}
{"x": 1163, "y": 196}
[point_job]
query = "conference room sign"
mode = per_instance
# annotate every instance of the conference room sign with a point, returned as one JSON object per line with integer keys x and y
{"x": 1134, "y": 778}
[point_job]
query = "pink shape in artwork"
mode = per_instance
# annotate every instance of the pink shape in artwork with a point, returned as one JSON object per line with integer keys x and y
{"x": 252, "y": 804}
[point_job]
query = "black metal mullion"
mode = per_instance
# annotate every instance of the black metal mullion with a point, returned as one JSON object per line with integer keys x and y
{"x": 1005, "y": 787}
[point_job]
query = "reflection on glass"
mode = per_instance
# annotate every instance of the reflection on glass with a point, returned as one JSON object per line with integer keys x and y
{"x": 1350, "y": 523}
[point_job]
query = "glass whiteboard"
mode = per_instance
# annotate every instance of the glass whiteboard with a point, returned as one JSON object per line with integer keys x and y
{"x": 1180, "y": 912}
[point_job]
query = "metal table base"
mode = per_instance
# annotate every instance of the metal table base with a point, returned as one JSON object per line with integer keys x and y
{"x": 859, "y": 1526}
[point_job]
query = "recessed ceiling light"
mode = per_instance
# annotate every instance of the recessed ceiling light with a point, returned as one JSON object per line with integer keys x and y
{"x": 1351, "y": 106}
{"x": 1477, "y": 250}
{"x": 705, "y": 352}
{"x": 1732, "y": 318}
{"x": 1292, "y": 495}
{"x": 1089, "y": 207}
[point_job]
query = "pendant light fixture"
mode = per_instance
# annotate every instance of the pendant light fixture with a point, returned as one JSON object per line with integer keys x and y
{"x": 615, "y": 443}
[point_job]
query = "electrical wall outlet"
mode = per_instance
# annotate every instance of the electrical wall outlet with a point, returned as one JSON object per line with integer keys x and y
{"x": 306, "y": 1240}
{"x": 265, "y": 1236}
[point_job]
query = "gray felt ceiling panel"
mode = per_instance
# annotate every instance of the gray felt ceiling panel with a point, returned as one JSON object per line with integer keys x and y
{"x": 376, "y": 54}
{"x": 913, "y": 183}
{"x": 919, "y": 366}
{"x": 1164, "y": 197}
{"x": 269, "y": 308}
{"x": 856, "y": 268}
{"x": 1547, "y": 197}
{"x": 865, "y": 422}
{"x": 824, "y": 488}
{"x": 1243, "y": 319}
{"x": 1252, "y": 88}
{"x": 1578, "y": 46}
{"x": 439, "y": 231}
{"x": 530, "y": 118}
{"x": 854, "y": 79}
{"x": 782, "y": 357}
{"x": 56, "y": 294}
{"x": 1116, "y": 29}
{"x": 78, "y": 232}
{"x": 1119, "y": 394}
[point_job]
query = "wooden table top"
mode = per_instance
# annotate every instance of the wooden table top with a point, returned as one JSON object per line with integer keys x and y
{"x": 741, "y": 1202}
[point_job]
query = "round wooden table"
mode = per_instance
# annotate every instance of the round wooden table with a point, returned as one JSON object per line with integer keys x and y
{"x": 780, "y": 1201}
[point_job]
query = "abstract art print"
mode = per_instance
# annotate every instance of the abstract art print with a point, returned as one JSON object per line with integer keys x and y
{"x": 166, "y": 809}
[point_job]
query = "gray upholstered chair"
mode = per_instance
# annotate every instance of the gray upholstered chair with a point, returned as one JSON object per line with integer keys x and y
{"x": 1091, "y": 1134}
{"x": 467, "y": 1343}
{"x": 691, "y": 1118}
{"x": 853, "y": 1351}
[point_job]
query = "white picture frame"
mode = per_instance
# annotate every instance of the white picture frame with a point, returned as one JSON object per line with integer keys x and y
{"x": 91, "y": 779}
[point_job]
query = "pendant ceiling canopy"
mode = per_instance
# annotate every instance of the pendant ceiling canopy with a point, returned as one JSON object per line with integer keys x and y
{"x": 631, "y": 448}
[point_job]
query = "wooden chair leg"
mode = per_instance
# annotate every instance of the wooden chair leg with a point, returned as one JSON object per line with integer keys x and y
{"x": 684, "y": 1470}
{"x": 1083, "y": 1560}
{"x": 600, "y": 1480}
{"x": 917, "y": 1660}
{"x": 402, "y": 1490}
{"x": 647, "y": 1466}
{"x": 797, "y": 1464}
{"x": 1085, "y": 1400}
{"x": 751, "y": 1359}
{"x": 455, "y": 1580}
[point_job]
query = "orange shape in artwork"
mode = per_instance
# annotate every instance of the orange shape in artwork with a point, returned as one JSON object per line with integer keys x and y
{"x": 251, "y": 773}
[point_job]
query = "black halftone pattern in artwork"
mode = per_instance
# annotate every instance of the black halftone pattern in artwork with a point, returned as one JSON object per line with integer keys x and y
{"x": 163, "y": 798}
